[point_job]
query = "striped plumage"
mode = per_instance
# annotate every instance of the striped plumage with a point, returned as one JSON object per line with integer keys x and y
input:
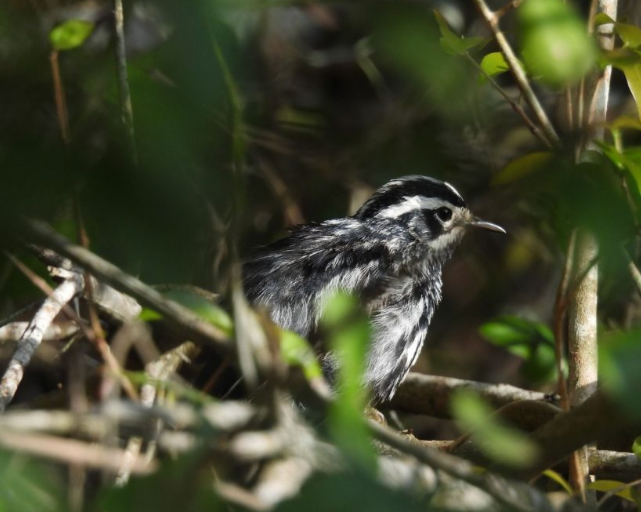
{"x": 390, "y": 254}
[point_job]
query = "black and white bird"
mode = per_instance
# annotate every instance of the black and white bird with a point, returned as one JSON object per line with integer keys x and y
{"x": 390, "y": 254}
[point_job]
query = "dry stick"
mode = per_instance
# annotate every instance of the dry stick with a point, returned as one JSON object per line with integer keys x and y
{"x": 430, "y": 394}
{"x": 157, "y": 371}
{"x": 15, "y": 330}
{"x": 59, "y": 96}
{"x": 126, "y": 110}
{"x": 70, "y": 451}
{"x": 32, "y": 337}
{"x": 40, "y": 233}
{"x": 520, "y": 78}
{"x": 510, "y": 494}
{"x": 88, "y": 332}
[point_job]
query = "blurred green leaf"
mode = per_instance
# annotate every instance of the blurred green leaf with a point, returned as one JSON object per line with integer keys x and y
{"x": 636, "y": 446}
{"x": 297, "y": 351}
{"x": 499, "y": 442}
{"x": 555, "y": 45}
{"x": 523, "y": 167}
{"x": 28, "y": 485}
{"x": 348, "y": 332}
{"x": 610, "y": 485}
{"x": 531, "y": 341}
{"x": 553, "y": 475}
{"x": 619, "y": 356}
{"x": 452, "y": 43}
{"x": 602, "y": 19}
{"x": 200, "y": 305}
{"x": 70, "y": 34}
{"x": 629, "y": 34}
{"x": 632, "y": 74}
{"x": 184, "y": 484}
{"x": 625, "y": 122}
{"x": 493, "y": 64}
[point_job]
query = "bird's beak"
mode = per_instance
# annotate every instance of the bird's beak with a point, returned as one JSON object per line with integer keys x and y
{"x": 483, "y": 224}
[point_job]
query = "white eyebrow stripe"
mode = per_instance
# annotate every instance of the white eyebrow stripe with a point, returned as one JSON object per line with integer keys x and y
{"x": 452, "y": 189}
{"x": 413, "y": 203}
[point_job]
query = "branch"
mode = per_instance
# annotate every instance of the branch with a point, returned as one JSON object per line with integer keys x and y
{"x": 520, "y": 78}
{"x": 32, "y": 337}
{"x": 126, "y": 109}
{"x": 55, "y": 332}
{"x": 430, "y": 394}
{"x": 40, "y": 233}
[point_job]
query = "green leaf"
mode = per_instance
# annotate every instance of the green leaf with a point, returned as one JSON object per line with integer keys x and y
{"x": 553, "y": 475}
{"x": 636, "y": 447}
{"x": 619, "y": 356}
{"x": 602, "y": 19}
{"x": 555, "y": 44}
{"x": 200, "y": 305}
{"x": 348, "y": 331}
{"x": 610, "y": 485}
{"x": 496, "y": 440}
{"x": 70, "y": 34}
{"x": 633, "y": 76}
{"x": 493, "y": 64}
{"x": 523, "y": 167}
{"x": 629, "y": 34}
{"x": 452, "y": 43}
{"x": 531, "y": 341}
{"x": 297, "y": 351}
{"x": 625, "y": 122}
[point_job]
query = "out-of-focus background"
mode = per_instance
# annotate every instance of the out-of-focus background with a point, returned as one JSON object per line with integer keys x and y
{"x": 252, "y": 116}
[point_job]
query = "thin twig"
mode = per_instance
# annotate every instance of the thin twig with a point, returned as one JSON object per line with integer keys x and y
{"x": 126, "y": 110}
{"x": 520, "y": 77}
{"x": 102, "y": 347}
{"x": 515, "y": 106}
{"x": 40, "y": 233}
{"x": 59, "y": 96}
{"x": 32, "y": 337}
{"x": 502, "y": 491}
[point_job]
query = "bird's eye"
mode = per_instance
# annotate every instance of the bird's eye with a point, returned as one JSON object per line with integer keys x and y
{"x": 444, "y": 214}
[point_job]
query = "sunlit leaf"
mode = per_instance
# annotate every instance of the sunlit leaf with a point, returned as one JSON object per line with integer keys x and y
{"x": 452, "y": 43}
{"x": 297, "y": 351}
{"x": 70, "y": 34}
{"x": 625, "y": 122}
{"x": 499, "y": 442}
{"x": 636, "y": 447}
{"x": 493, "y": 64}
{"x": 200, "y": 305}
{"x": 523, "y": 167}
{"x": 553, "y": 475}
{"x": 633, "y": 76}
{"x": 611, "y": 485}
{"x": 602, "y": 19}
{"x": 555, "y": 45}
{"x": 629, "y": 34}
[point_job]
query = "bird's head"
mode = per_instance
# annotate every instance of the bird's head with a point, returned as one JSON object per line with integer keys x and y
{"x": 430, "y": 211}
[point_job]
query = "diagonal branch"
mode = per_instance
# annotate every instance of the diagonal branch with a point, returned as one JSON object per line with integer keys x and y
{"x": 520, "y": 78}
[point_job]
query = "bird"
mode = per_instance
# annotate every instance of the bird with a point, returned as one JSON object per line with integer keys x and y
{"x": 390, "y": 254}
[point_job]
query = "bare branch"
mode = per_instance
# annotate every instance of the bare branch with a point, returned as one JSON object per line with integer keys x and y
{"x": 32, "y": 337}
{"x": 520, "y": 78}
{"x": 126, "y": 110}
{"x": 40, "y": 233}
{"x": 430, "y": 394}
{"x": 55, "y": 332}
